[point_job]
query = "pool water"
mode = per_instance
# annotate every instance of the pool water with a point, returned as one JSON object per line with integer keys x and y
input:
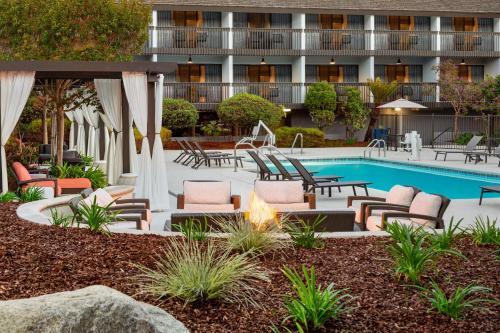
{"x": 451, "y": 183}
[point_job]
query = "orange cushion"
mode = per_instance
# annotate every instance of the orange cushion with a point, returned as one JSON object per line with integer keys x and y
{"x": 43, "y": 184}
{"x": 21, "y": 172}
{"x": 74, "y": 183}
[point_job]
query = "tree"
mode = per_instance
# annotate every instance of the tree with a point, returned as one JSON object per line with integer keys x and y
{"x": 489, "y": 101}
{"x": 321, "y": 101}
{"x": 179, "y": 114}
{"x": 354, "y": 111}
{"x": 243, "y": 110}
{"x": 460, "y": 93}
{"x": 381, "y": 91}
{"x": 105, "y": 30}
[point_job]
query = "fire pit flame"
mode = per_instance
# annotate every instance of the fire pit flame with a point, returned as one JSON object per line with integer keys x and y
{"x": 260, "y": 214}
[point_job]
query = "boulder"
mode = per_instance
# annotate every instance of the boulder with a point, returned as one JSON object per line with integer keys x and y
{"x": 92, "y": 309}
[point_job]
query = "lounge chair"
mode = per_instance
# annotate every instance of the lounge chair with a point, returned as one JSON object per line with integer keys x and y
{"x": 184, "y": 153}
{"x": 310, "y": 184}
{"x": 477, "y": 156}
{"x": 264, "y": 171}
{"x": 469, "y": 148}
{"x": 488, "y": 189}
{"x": 208, "y": 196}
{"x": 205, "y": 158}
{"x": 25, "y": 179}
{"x": 296, "y": 176}
{"x": 283, "y": 196}
{"x": 426, "y": 210}
{"x": 397, "y": 196}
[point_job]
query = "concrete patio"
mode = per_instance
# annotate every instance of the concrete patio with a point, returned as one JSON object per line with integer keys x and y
{"x": 242, "y": 181}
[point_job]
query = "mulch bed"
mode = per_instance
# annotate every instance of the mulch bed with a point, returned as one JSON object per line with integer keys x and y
{"x": 37, "y": 260}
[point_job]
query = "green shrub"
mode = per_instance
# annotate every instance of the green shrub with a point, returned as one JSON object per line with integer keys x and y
{"x": 354, "y": 111}
{"x": 400, "y": 232}
{"x": 485, "y": 232}
{"x": 94, "y": 174}
{"x": 313, "y": 137}
{"x": 463, "y": 138}
{"x": 213, "y": 128}
{"x": 321, "y": 101}
{"x": 165, "y": 135}
{"x": 314, "y": 306}
{"x": 458, "y": 302}
{"x": 193, "y": 229}
{"x": 97, "y": 218}
{"x": 8, "y": 197}
{"x": 244, "y": 236}
{"x": 30, "y": 194}
{"x": 244, "y": 110}
{"x": 303, "y": 234}
{"x": 443, "y": 240}
{"x": 179, "y": 114}
{"x": 59, "y": 220}
{"x": 194, "y": 271}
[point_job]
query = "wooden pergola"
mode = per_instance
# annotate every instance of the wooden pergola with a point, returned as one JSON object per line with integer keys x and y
{"x": 89, "y": 70}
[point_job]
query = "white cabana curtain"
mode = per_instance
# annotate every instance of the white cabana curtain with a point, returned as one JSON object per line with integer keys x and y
{"x": 134, "y": 159}
{"x": 110, "y": 95}
{"x": 159, "y": 198}
{"x": 92, "y": 117}
{"x": 71, "y": 118}
{"x": 15, "y": 88}
{"x": 108, "y": 128}
{"x": 80, "y": 132}
{"x": 136, "y": 89}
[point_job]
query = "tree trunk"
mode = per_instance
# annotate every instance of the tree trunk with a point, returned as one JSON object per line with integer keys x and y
{"x": 373, "y": 120}
{"x": 60, "y": 134}
{"x": 45, "y": 138}
{"x": 53, "y": 136}
{"x": 455, "y": 126}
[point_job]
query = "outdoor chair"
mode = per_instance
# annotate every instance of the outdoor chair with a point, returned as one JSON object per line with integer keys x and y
{"x": 206, "y": 158}
{"x": 310, "y": 184}
{"x": 425, "y": 210}
{"x": 133, "y": 218}
{"x": 488, "y": 189}
{"x": 208, "y": 196}
{"x": 478, "y": 156}
{"x": 405, "y": 144}
{"x": 398, "y": 195}
{"x": 184, "y": 152}
{"x": 469, "y": 148}
{"x": 264, "y": 171}
{"x": 295, "y": 175}
{"x": 283, "y": 196}
{"x": 25, "y": 179}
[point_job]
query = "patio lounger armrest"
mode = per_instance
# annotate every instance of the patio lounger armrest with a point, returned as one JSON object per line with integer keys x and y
{"x": 132, "y": 201}
{"x": 387, "y": 215}
{"x": 24, "y": 182}
{"x": 352, "y": 198}
{"x": 236, "y": 201}
{"x": 180, "y": 201}
{"x": 131, "y": 218}
{"x": 38, "y": 171}
{"x": 139, "y": 212}
{"x": 311, "y": 199}
{"x": 126, "y": 207}
{"x": 399, "y": 208}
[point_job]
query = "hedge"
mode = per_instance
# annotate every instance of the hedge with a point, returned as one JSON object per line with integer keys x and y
{"x": 313, "y": 137}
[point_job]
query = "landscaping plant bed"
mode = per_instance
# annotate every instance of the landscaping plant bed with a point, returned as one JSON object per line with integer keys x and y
{"x": 37, "y": 259}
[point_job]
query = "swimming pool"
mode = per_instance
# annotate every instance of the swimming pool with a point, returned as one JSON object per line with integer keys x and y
{"x": 454, "y": 184}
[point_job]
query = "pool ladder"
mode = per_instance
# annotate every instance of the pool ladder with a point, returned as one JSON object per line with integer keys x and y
{"x": 375, "y": 143}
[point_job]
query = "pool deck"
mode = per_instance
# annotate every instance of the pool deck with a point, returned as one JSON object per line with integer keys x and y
{"x": 242, "y": 180}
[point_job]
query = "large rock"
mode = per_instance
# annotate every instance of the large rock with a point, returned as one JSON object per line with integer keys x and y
{"x": 92, "y": 309}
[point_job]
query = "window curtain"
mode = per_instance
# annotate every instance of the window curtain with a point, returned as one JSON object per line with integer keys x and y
{"x": 415, "y": 72}
{"x": 80, "y": 132}
{"x": 15, "y": 88}
{"x": 312, "y": 21}
{"x": 422, "y": 23}
{"x": 283, "y": 73}
{"x": 71, "y": 118}
{"x": 351, "y": 73}
{"x": 92, "y": 117}
{"x": 212, "y": 19}
{"x": 164, "y": 18}
{"x": 311, "y": 73}
{"x": 381, "y": 23}
{"x": 279, "y": 20}
{"x": 477, "y": 73}
{"x": 136, "y": 89}
{"x": 240, "y": 20}
{"x": 110, "y": 95}
{"x": 355, "y": 22}
{"x": 380, "y": 72}
{"x": 159, "y": 190}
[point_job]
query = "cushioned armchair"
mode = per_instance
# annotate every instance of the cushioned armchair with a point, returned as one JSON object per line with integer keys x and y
{"x": 285, "y": 196}
{"x": 397, "y": 196}
{"x": 426, "y": 210}
{"x": 25, "y": 179}
{"x": 208, "y": 196}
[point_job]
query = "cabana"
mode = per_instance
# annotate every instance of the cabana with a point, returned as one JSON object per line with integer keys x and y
{"x": 130, "y": 93}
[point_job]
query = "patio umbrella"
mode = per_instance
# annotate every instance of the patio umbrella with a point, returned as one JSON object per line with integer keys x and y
{"x": 399, "y": 105}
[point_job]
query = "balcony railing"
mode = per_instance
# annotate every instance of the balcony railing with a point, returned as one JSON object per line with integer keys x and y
{"x": 266, "y": 41}
{"x": 415, "y": 42}
{"x": 287, "y": 94}
{"x": 470, "y": 43}
{"x": 206, "y": 96}
{"x": 205, "y": 40}
{"x": 319, "y": 40}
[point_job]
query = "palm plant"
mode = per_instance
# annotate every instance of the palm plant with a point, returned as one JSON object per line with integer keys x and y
{"x": 444, "y": 239}
{"x": 8, "y": 197}
{"x": 314, "y": 305}
{"x": 304, "y": 234}
{"x": 193, "y": 229}
{"x": 60, "y": 220}
{"x": 193, "y": 272}
{"x": 32, "y": 193}
{"x": 97, "y": 218}
{"x": 400, "y": 232}
{"x": 458, "y": 302}
{"x": 381, "y": 91}
{"x": 485, "y": 232}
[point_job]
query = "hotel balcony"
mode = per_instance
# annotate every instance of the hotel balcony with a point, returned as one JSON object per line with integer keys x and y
{"x": 470, "y": 44}
{"x": 286, "y": 94}
{"x": 343, "y": 42}
{"x": 205, "y": 96}
{"x": 266, "y": 41}
{"x": 404, "y": 42}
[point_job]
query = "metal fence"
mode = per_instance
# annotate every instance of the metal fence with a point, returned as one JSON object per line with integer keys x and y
{"x": 445, "y": 131}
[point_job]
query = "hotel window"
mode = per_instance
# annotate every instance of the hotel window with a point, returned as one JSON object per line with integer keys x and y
{"x": 471, "y": 73}
{"x": 399, "y": 73}
{"x": 332, "y": 73}
{"x": 187, "y": 19}
{"x": 261, "y": 73}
